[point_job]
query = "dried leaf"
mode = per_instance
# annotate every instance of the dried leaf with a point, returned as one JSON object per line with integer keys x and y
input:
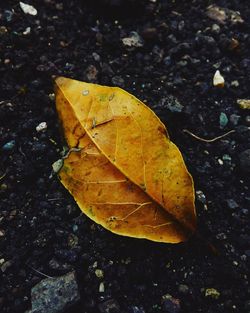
{"x": 128, "y": 177}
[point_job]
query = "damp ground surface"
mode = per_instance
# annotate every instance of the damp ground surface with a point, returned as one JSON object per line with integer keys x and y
{"x": 171, "y": 68}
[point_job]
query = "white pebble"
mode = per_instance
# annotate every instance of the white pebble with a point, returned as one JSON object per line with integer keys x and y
{"x": 27, "y": 31}
{"x": 28, "y": 9}
{"x": 220, "y": 161}
{"x": 218, "y": 80}
{"x": 41, "y": 127}
{"x": 101, "y": 287}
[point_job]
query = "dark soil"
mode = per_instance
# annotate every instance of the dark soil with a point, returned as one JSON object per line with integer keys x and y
{"x": 41, "y": 227}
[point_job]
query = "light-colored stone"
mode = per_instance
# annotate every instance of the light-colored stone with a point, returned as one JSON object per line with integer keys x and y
{"x": 218, "y": 80}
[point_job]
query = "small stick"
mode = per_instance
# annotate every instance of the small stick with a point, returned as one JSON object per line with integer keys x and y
{"x": 208, "y": 140}
{"x": 45, "y": 275}
{"x": 2, "y": 177}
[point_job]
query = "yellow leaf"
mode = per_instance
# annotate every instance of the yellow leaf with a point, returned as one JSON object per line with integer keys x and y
{"x": 129, "y": 177}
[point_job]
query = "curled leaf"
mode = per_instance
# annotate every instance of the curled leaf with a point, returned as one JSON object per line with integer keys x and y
{"x": 129, "y": 177}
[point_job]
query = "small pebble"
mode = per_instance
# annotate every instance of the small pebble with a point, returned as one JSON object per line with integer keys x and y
{"x": 220, "y": 162}
{"x": 212, "y": 293}
{"x": 234, "y": 119}
{"x": 56, "y": 166}
{"x": 3, "y": 30}
{"x": 226, "y": 158}
{"x": 183, "y": 289}
{"x": 136, "y": 309}
{"x": 235, "y": 83}
{"x": 118, "y": 81}
{"x": 171, "y": 103}
{"x": 109, "y": 306}
{"x": 232, "y": 204}
{"x": 91, "y": 73}
{"x": 221, "y": 15}
{"x": 170, "y": 304}
{"x": 134, "y": 40}
{"x": 234, "y": 44}
{"x": 41, "y": 127}
{"x": 27, "y": 31}
{"x": 28, "y": 9}
{"x": 201, "y": 197}
{"x": 215, "y": 28}
{"x": 223, "y": 120}
{"x": 8, "y": 15}
{"x": 6, "y": 265}
{"x": 99, "y": 273}
{"x": 244, "y": 104}
{"x": 96, "y": 57}
{"x": 247, "y": 119}
{"x": 218, "y": 80}
{"x": 101, "y": 287}
{"x": 52, "y": 96}
{"x": 9, "y": 145}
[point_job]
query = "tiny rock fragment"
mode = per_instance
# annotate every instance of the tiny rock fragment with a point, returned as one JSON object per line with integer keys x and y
{"x": 171, "y": 103}
{"x": 223, "y": 120}
{"x": 244, "y": 104}
{"x": 247, "y": 119}
{"x": 101, "y": 287}
{"x": 216, "y": 13}
{"x": 235, "y": 83}
{"x": 222, "y": 15}
{"x": 56, "y": 166}
{"x": 212, "y": 293}
{"x": 109, "y": 306}
{"x": 3, "y": 30}
{"x": 99, "y": 273}
{"x": 232, "y": 204}
{"x": 54, "y": 295}
{"x": 52, "y": 96}
{"x": 184, "y": 289}
{"x": 118, "y": 81}
{"x": 28, "y": 9}
{"x": 6, "y": 265}
{"x": 218, "y": 80}
{"x": 27, "y": 31}
{"x": 170, "y": 304}
{"x": 134, "y": 40}
{"x": 8, "y": 15}
{"x": 91, "y": 73}
{"x": 41, "y": 127}
{"x": 9, "y": 145}
{"x": 234, "y": 44}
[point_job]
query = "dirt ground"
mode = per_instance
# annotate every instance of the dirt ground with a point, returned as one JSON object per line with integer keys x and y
{"x": 178, "y": 49}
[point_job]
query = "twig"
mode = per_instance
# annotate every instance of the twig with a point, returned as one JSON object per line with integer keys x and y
{"x": 1, "y": 177}
{"x": 21, "y": 151}
{"x": 208, "y": 140}
{"x": 45, "y": 275}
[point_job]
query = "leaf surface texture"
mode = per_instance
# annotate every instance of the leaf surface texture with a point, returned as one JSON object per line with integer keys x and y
{"x": 129, "y": 177}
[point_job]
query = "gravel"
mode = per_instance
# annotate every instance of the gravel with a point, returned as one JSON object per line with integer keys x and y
{"x": 54, "y": 295}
